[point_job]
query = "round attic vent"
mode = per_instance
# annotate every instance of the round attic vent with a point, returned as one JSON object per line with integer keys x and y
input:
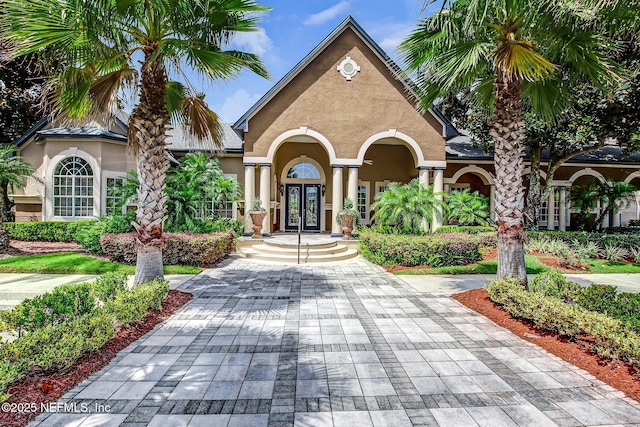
{"x": 348, "y": 68}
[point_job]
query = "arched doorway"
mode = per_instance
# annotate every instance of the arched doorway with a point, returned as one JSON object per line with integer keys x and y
{"x": 302, "y": 189}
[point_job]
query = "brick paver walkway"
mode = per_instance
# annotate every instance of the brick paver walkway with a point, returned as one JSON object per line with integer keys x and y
{"x": 343, "y": 345}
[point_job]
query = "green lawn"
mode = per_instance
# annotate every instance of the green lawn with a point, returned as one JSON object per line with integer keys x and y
{"x": 75, "y": 263}
{"x": 534, "y": 266}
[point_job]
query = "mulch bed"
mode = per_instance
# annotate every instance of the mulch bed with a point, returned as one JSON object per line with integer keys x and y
{"x": 48, "y": 387}
{"x": 623, "y": 376}
{"x": 17, "y": 247}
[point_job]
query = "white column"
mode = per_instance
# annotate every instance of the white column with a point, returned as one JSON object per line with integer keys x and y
{"x": 352, "y": 186}
{"x": 336, "y": 200}
{"x": 265, "y": 196}
{"x": 562, "y": 212}
{"x": 423, "y": 175}
{"x": 249, "y": 194}
{"x": 551, "y": 207}
{"x": 492, "y": 202}
{"x": 438, "y": 187}
{"x": 423, "y": 178}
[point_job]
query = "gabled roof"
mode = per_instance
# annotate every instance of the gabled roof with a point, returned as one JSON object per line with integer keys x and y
{"x": 90, "y": 131}
{"x": 351, "y": 23}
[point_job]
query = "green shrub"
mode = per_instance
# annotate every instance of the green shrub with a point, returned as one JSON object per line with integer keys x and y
{"x": 57, "y": 345}
{"x": 206, "y": 227}
{"x": 203, "y": 250}
{"x": 63, "y": 304}
{"x": 89, "y": 237}
{"x": 624, "y": 306}
{"x": 467, "y": 229}
{"x": 430, "y": 250}
{"x": 132, "y": 305}
{"x": 47, "y": 231}
{"x": 553, "y": 284}
{"x": 582, "y": 238}
{"x": 612, "y": 337}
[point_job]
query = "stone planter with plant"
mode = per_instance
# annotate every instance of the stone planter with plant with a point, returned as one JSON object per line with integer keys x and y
{"x": 348, "y": 217}
{"x": 257, "y": 214}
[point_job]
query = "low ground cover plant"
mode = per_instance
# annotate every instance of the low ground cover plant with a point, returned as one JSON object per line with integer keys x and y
{"x": 57, "y": 328}
{"x": 429, "y": 250}
{"x": 557, "y": 305}
{"x": 203, "y": 250}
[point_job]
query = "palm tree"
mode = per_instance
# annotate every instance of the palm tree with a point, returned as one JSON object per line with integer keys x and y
{"x": 101, "y": 41}
{"x": 467, "y": 207}
{"x": 13, "y": 171}
{"x": 508, "y": 53}
{"x": 407, "y": 206}
{"x": 612, "y": 194}
{"x": 585, "y": 199}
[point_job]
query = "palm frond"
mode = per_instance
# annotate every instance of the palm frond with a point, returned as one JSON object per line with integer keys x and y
{"x": 200, "y": 122}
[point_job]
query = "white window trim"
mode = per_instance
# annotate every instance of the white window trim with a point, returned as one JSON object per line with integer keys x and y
{"x": 48, "y": 211}
{"x": 105, "y": 176}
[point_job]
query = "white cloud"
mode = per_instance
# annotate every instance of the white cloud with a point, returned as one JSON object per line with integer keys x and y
{"x": 257, "y": 42}
{"x": 327, "y": 14}
{"x": 391, "y": 35}
{"x": 236, "y": 105}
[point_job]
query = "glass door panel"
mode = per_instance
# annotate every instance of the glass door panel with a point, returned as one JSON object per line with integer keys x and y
{"x": 311, "y": 207}
{"x": 294, "y": 202}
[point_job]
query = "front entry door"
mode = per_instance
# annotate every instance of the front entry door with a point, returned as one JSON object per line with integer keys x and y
{"x": 304, "y": 200}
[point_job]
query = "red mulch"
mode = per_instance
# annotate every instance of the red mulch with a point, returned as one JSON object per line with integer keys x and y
{"x": 17, "y": 247}
{"x": 48, "y": 387}
{"x": 623, "y": 376}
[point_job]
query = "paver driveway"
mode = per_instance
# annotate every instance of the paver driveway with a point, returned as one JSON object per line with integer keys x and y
{"x": 335, "y": 344}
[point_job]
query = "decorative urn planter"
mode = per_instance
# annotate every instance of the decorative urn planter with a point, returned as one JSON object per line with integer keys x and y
{"x": 257, "y": 217}
{"x": 257, "y": 214}
{"x": 348, "y": 219}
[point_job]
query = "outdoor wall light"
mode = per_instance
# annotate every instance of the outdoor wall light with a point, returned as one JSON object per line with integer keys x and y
{"x": 323, "y": 188}
{"x": 282, "y": 189}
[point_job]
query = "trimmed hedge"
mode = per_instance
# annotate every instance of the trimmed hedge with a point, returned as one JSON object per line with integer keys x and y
{"x": 626, "y": 241}
{"x": 66, "y": 331}
{"x": 467, "y": 229}
{"x": 430, "y": 250}
{"x": 47, "y": 231}
{"x": 202, "y": 250}
{"x": 612, "y": 337}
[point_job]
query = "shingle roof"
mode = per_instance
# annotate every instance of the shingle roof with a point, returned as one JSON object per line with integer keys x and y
{"x": 177, "y": 141}
{"x": 93, "y": 131}
{"x": 461, "y": 147}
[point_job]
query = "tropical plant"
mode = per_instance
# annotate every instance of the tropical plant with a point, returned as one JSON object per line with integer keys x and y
{"x": 348, "y": 210}
{"x": 585, "y": 199}
{"x": 256, "y": 206}
{"x": 612, "y": 195}
{"x": 507, "y": 53}
{"x": 407, "y": 206}
{"x": 467, "y": 208}
{"x": 13, "y": 170}
{"x": 102, "y": 41}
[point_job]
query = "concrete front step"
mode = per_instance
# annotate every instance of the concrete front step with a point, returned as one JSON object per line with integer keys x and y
{"x": 310, "y": 252}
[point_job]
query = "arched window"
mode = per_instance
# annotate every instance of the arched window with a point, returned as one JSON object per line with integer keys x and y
{"x": 73, "y": 188}
{"x": 303, "y": 170}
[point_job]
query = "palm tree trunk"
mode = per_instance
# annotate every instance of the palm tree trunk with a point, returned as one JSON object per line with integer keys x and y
{"x": 533, "y": 196}
{"x": 148, "y": 124}
{"x": 5, "y": 203}
{"x": 507, "y": 129}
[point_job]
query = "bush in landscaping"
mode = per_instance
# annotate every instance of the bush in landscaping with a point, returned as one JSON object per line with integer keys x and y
{"x": 431, "y": 250}
{"x": 582, "y": 238}
{"x": 467, "y": 229}
{"x": 89, "y": 237}
{"x": 553, "y": 284}
{"x": 203, "y": 250}
{"x": 56, "y": 345}
{"x": 612, "y": 337}
{"x": 47, "y": 231}
{"x": 63, "y": 304}
{"x": 605, "y": 299}
{"x": 208, "y": 226}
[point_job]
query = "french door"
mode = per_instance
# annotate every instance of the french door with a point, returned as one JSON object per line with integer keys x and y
{"x": 302, "y": 200}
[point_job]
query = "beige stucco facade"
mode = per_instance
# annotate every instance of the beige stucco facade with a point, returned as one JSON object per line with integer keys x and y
{"x": 342, "y": 123}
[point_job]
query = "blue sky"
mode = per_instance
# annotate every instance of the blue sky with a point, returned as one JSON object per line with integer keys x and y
{"x": 292, "y": 29}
